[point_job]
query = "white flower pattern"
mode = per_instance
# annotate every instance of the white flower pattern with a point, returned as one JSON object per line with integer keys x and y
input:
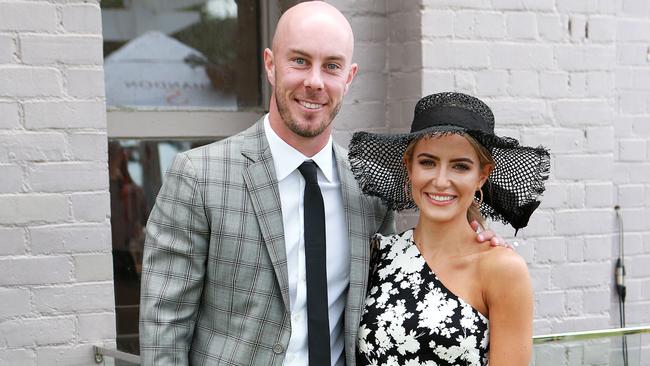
{"x": 411, "y": 318}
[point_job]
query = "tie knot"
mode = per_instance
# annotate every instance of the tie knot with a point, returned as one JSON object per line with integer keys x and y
{"x": 309, "y": 171}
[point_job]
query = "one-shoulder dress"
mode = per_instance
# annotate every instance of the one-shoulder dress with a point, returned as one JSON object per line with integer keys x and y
{"x": 411, "y": 318}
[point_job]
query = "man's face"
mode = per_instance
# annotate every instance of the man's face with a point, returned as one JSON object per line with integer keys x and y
{"x": 310, "y": 71}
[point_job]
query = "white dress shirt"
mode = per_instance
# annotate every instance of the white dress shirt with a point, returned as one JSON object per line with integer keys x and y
{"x": 291, "y": 185}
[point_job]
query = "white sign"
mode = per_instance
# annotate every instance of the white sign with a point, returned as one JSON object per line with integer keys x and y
{"x": 152, "y": 70}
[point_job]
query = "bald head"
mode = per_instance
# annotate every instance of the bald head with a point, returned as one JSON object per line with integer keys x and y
{"x": 314, "y": 16}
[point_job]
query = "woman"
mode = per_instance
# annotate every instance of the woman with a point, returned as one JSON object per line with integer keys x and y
{"x": 435, "y": 297}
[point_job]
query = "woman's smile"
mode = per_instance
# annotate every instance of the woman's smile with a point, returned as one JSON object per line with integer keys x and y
{"x": 441, "y": 199}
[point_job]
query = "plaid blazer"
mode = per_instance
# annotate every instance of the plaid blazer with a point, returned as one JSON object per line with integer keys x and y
{"x": 215, "y": 288}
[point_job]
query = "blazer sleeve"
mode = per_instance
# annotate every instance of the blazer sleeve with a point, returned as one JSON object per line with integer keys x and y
{"x": 388, "y": 226}
{"x": 173, "y": 267}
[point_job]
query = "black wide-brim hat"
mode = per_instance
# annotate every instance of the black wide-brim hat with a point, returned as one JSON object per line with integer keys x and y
{"x": 511, "y": 192}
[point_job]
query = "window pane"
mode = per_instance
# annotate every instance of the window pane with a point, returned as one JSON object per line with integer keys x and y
{"x": 136, "y": 170}
{"x": 182, "y": 53}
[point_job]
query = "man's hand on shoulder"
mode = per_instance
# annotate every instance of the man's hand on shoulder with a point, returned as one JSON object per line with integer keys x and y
{"x": 489, "y": 236}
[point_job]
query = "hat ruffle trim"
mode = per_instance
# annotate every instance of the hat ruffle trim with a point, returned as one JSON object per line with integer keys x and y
{"x": 510, "y": 194}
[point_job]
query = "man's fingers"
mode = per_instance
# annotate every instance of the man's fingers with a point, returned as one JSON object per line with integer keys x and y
{"x": 498, "y": 241}
{"x": 486, "y": 235}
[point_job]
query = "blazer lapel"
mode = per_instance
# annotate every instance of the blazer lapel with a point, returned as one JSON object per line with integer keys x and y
{"x": 354, "y": 207}
{"x": 262, "y": 185}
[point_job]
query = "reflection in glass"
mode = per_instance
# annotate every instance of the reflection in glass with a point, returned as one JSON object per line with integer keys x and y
{"x": 184, "y": 53}
{"x": 136, "y": 170}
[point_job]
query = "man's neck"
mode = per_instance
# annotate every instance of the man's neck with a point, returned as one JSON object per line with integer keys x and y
{"x": 308, "y": 146}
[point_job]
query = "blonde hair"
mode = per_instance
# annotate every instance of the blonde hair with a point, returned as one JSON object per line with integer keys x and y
{"x": 484, "y": 158}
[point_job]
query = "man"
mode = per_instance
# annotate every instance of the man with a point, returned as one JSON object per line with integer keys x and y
{"x": 224, "y": 265}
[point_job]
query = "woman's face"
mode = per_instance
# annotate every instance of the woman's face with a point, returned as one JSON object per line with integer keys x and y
{"x": 445, "y": 173}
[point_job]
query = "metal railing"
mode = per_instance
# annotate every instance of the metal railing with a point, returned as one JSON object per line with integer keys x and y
{"x": 617, "y": 347}
{"x": 591, "y": 334}
{"x": 101, "y": 352}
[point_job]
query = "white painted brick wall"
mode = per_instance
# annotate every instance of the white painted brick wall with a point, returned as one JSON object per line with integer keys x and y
{"x": 81, "y": 18}
{"x": 12, "y": 178}
{"x": 35, "y": 270}
{"x": 50, "y": 49}
{"x": 93, "y": 267}
{"x": 96, "y": 326}
{"x": 491, "y": 83}
{"x": 74, "y": 299}
{"x": 27, "y": 208}
{"x": 599, "y": 139}
{"x": 28, "y": 16}
{"x": 437, "y": 23}
{"x": 405, "y": 80}
{"x": 90, "y": 207}
{"x": 442, "y": 54}
{"x": 57, "y": 355}
{"x": 364, "y": 104}
{"x": 632, "y": 30}
{"x": 602, "y": 29}
{"x": 7, "y": 45}
{"x": 15, "y": 302}
{"x": 44, "y": 330}
{"x": 520, "y": 25}
{"x": 85, "y": 82}
{"x": 19, "y": 81}
{"x": 631, "y": 54}
{"x": 9, "y": 118}
{"x": 599, "y": 194}
{"x": 632, "y": 73}
{"x": 68, "y": 177}
{"x": 523, "y": 83}
{"x": 13, "y": 241}
{"x": 26, "y": 146}
{"x": 64, "y": 114}
{"x": 55, "y": 261}
{"x": 68, "y": 238}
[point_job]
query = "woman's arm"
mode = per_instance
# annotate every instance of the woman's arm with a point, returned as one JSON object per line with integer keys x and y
{"x": 509, "y": 297}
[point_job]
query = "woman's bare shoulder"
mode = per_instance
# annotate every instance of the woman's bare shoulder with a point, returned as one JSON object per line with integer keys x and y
{"x": 502, "y": 267}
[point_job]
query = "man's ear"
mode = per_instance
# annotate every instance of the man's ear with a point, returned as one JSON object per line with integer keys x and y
{"x": 269, "y": 66}
{"x": 351, "y": 74}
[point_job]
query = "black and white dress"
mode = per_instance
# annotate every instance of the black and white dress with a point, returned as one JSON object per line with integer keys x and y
{"x": 411, "y": 318}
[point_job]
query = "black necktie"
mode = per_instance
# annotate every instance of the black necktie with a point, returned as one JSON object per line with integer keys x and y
{"x": 318, "y": 329}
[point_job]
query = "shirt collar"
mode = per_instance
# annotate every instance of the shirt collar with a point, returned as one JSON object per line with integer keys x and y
{"x": 286, "y": 158}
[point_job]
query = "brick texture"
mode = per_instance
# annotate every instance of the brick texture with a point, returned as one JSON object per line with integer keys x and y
{"x": 632, "y": 71}
{"x": 55, "y": 265}
{"x": 27, "y": 16}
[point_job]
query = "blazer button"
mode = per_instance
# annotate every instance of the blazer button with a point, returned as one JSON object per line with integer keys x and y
{"x": 278, "y": 348}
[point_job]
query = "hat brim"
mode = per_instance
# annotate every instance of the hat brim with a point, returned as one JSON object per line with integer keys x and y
{"x": 510, "y": 193}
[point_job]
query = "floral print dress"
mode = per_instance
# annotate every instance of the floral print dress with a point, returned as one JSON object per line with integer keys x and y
{"x": 411, "y": 318}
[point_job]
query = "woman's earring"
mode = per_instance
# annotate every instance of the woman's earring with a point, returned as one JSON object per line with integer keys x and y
{"x": 480, "y": 201}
